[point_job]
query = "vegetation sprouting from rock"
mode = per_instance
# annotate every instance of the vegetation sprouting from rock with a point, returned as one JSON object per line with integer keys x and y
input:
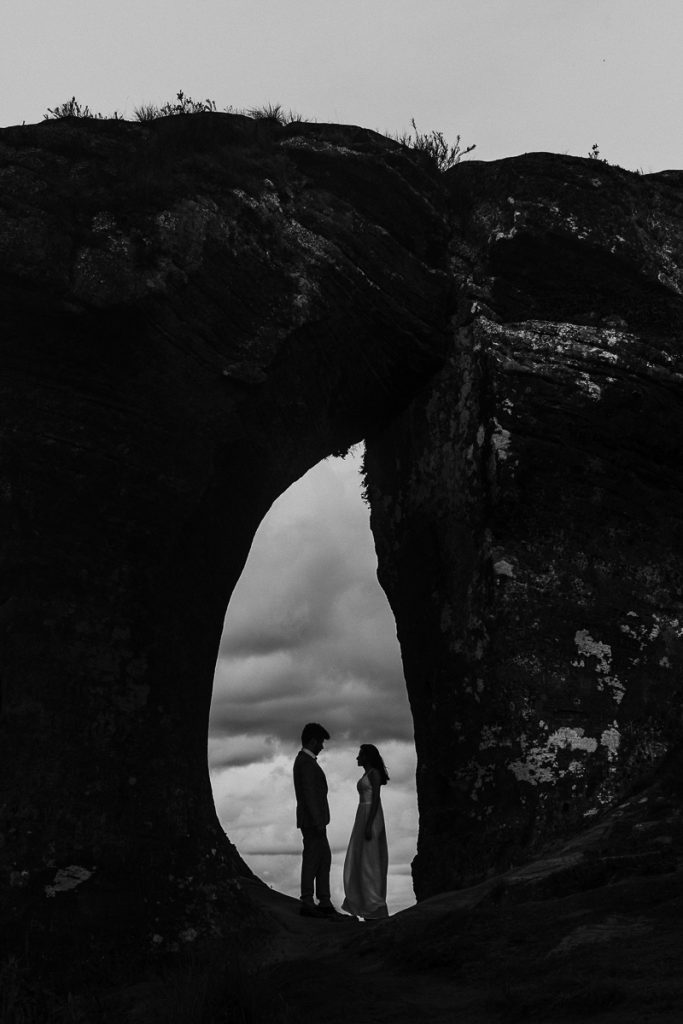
{"x": 182, "y": 105}
{"x": 72, "y": 108}
{"x": 444, "y": 154}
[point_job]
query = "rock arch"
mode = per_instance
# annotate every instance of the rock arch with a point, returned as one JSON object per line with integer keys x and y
{"x": 198, "y": 309}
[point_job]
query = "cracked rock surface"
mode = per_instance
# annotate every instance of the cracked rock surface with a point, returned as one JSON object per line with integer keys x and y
{"x": 198, "y": 309}
{"x": 527, "y": 512}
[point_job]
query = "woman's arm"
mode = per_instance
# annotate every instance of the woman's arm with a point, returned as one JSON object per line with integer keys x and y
{"x": 373, "y": 779}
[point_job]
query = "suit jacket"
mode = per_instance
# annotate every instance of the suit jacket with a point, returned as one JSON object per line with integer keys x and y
{"x": 310, "y": 786}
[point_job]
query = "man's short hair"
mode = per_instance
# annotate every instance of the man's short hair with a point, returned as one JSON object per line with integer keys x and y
{"x": 314, "y": 731}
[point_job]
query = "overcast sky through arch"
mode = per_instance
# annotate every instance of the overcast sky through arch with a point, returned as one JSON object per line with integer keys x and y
{"x": 309, "y": 636}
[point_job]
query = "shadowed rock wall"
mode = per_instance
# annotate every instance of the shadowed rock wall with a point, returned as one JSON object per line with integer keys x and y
{"x": 527, "y": 512}
{"x": 194, "y": 312}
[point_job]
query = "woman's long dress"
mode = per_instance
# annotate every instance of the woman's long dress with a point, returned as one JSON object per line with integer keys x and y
{"x": 367, "y": 861}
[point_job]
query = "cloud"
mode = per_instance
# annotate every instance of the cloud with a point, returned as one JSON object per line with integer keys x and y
{"x": 240, "y": 750}
{"x": 309, "y": 636}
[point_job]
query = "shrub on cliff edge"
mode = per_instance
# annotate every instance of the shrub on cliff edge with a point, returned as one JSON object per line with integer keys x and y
{"x": 435, "y": 146}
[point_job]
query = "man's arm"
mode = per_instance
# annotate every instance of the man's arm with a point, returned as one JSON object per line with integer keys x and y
{"x": 311, "y": 796}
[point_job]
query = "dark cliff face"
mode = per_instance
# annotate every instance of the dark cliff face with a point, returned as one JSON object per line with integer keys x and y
{"x": 194, "y": 312}
{"x": 527, "y": 513}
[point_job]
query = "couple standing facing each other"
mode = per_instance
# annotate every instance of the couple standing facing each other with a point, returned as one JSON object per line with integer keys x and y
{"x": 367, "y": 858}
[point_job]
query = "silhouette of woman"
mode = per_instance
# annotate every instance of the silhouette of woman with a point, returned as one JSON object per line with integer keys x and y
{"x": 367, "y": 857}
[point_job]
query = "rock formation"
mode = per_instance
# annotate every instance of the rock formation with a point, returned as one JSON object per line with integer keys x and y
{"x": 527, "y": 512}
{"x": 194, "y": 312}
{"x": 198, "y": 309}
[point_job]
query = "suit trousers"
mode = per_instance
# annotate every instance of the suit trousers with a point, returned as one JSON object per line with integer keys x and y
{"x": 315, "y": 865}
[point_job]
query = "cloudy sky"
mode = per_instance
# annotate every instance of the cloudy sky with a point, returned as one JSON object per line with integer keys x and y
{"x": 308, "y": 632}
{"x": 512, "y": 76}
{"x": 309, "y": 637}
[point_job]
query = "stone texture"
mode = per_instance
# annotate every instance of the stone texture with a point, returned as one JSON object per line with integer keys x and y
{"x": 194, "y": 312}
{"x": 527, "y": 512}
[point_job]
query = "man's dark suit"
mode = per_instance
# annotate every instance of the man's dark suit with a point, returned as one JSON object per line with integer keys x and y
{"x": 312, "y": 817}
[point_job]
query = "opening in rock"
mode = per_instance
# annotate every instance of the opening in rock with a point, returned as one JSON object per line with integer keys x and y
{"x": 309, "y": 636}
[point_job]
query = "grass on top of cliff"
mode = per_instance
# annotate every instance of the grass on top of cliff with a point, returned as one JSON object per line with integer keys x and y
{"x": 182, "y": 105}
{"x": 181, "y": 144}
{"x": 432, "y": 143}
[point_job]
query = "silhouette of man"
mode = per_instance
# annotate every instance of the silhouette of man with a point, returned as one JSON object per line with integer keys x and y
{"x": 312, "y": 817}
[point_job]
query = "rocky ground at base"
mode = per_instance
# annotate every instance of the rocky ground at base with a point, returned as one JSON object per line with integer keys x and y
{"x": 593, "y": 931}
{"x": 590, "y": 931}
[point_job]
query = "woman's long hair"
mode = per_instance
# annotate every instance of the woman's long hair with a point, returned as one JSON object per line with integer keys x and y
{"x": 374, "y": 760}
